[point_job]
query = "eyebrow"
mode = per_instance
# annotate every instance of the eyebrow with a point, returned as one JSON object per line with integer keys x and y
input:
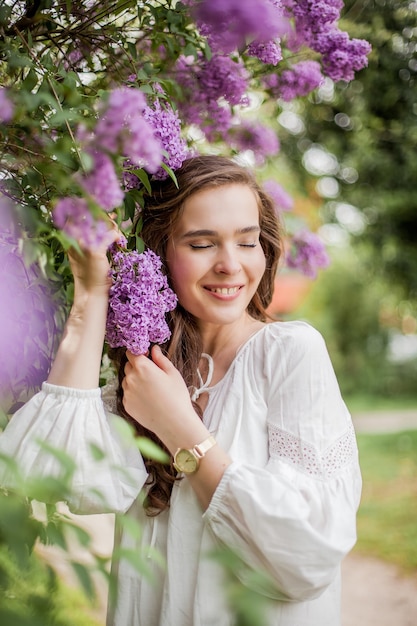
{"x": 213, "y": 233}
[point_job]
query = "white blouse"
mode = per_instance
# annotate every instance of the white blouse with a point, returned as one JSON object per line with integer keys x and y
{"x": 287, "y": 504}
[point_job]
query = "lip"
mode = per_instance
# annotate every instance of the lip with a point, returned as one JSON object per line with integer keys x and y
{"x": 223, "y": 292}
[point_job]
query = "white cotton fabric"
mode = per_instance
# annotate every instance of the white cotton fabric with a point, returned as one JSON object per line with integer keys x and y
{"x": 287, "y": 504}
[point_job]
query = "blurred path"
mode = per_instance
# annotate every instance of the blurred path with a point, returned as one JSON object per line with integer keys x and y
{"x": 385, "y": 421}
{"x": 375, "y": 594}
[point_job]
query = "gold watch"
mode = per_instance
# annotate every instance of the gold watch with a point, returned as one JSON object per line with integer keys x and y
{"x": 188, "y": 460}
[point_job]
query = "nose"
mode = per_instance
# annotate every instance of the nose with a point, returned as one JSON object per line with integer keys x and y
{"x": 227, "y": 261}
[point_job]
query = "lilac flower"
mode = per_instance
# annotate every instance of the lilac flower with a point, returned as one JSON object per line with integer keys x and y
{"x": 229, "y": 25}
{"x": 123, "y": 129}
{"x": 167, "y": 129}
{"x": 313, "y": 16}
{"x": 6, "y": 107}
{"x": 102, "y": 182}
{"x": 307, "y": 253}
{"x": 315, "y": 26}
{"x": 282, "y": 200}
{"x": 73, "y": 216}
{"x": 262, "y": 140}
{"x": 269, "y": 52}
{"x": 210, "y": 88}
{"x": 28, "y": 320}
{"x": 139, "y": 299}
{"x": 342, "y": 56}
{"x": 300, "y": 80}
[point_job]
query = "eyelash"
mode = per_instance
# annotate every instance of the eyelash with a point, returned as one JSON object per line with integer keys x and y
{"x": 242, "y": 245}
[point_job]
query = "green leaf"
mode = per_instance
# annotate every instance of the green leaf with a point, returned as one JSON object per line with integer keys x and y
{"x": 151, "y": 450}
{"x": 138, "y": 562}
{"x": 132, "y": 50}
{"x": 171, "y": 173}
{"x": 31, "y": 80}
{"x": 97, "y": 453}
{"x": 82, "y": 535}
{"x": 19, "y": 60}
{"x": 85, "y": 579}
{"x": 144, "y": 178}
{"x": 5, "y": 13}
{"x": 140, "y": 244}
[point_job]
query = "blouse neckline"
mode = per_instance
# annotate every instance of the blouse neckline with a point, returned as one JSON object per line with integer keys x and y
{"x": 241, "y": 349}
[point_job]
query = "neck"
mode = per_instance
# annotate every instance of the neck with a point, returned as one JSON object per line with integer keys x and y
{"x": 218, "y": 340}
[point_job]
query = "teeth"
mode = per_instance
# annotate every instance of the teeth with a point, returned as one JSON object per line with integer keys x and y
{"x": 225, "y": 290}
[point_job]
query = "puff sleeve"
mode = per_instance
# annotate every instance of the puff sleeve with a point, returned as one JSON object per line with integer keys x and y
{"x": 75, "y": 422}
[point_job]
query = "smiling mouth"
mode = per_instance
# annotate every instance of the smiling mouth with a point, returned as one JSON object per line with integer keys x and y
{"x": 227, "y": 291}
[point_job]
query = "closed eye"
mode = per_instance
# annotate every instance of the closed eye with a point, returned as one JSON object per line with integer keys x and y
{"x": 248, "y": 245}
{"x": 195, "y": 246}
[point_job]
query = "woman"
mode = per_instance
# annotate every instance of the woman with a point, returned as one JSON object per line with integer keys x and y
{"x": 264, "y": 459}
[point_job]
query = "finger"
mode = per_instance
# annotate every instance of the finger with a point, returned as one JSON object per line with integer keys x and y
{"x": 160, "y": 359}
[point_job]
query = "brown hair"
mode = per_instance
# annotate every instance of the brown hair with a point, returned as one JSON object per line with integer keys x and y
{"x": 160, "y": 215}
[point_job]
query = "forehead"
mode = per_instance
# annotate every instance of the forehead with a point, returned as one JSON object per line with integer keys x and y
{"x": 215, "y": 207}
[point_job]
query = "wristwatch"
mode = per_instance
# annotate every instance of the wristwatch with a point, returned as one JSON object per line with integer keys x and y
{"x": 188, "y": 460}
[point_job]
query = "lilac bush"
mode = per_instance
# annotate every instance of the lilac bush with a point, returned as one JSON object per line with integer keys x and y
{"x": 121, "y": 96}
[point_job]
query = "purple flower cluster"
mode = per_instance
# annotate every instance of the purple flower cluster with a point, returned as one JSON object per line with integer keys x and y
{"x": 315, "y": 26}
{"x": 297, "y": 81}
{"x": 254, "y": 136}
{"x": 210, "y": 89}
{"x": 28, "y": 316}
{"x": 229, "y": 25}
{"x": 123, "y": 129}
{"x": 139, "y": 299}
{"x": 307, "y": 253}
{"x": 102, "y": 183}
{"x": 269, "y": 52}
{"x": 282, "y": 200}
{"x": 6, "y": 107}
{"x": 167, "y": 129}
{"x": 73, "y": 216}
{"x": 341, "y": 56}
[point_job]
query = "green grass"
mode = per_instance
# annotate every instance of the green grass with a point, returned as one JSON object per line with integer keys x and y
{"x": 387, "y": 518}
{"x": 359, "y": 403}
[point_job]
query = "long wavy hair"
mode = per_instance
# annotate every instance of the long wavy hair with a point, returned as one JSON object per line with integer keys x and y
{"x": 159, "y": 217}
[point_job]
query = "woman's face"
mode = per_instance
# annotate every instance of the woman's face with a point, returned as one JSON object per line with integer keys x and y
{"x": 214, "y": 256}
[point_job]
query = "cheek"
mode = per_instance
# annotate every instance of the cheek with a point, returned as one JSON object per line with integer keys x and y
{"x": 182, "y": 274}
{"x": 259, "y": 265}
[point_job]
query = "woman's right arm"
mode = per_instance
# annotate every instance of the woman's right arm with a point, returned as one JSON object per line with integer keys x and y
{"x": 78, "y": 359}
{"x": 68, "y": 412}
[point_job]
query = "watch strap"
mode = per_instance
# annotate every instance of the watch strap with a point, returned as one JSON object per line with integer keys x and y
{"x": 201, "y": 448}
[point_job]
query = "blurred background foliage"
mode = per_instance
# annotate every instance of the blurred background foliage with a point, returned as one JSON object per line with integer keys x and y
{"x": 351, "y": 157}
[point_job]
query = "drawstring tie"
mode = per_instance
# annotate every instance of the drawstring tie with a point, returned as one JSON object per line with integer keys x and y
{"x": 153, "y": 538}
{"x": 203, "y": 385}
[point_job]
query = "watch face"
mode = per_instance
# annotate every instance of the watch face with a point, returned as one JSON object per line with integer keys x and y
{"x": 186, "y": 461}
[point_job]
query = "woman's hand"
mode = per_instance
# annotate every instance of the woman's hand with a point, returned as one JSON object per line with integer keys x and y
{"x": 155, "y": 395}
{"x": 90, "y": 268}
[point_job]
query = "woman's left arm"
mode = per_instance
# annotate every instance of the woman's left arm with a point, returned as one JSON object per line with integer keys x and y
{"x": 295, "y": 518}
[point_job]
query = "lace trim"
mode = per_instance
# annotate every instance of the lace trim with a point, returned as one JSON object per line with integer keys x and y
{"x": 307, "y": 458}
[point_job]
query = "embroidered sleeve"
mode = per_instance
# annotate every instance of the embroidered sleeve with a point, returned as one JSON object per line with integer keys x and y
{"x": 306, "y": 458}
